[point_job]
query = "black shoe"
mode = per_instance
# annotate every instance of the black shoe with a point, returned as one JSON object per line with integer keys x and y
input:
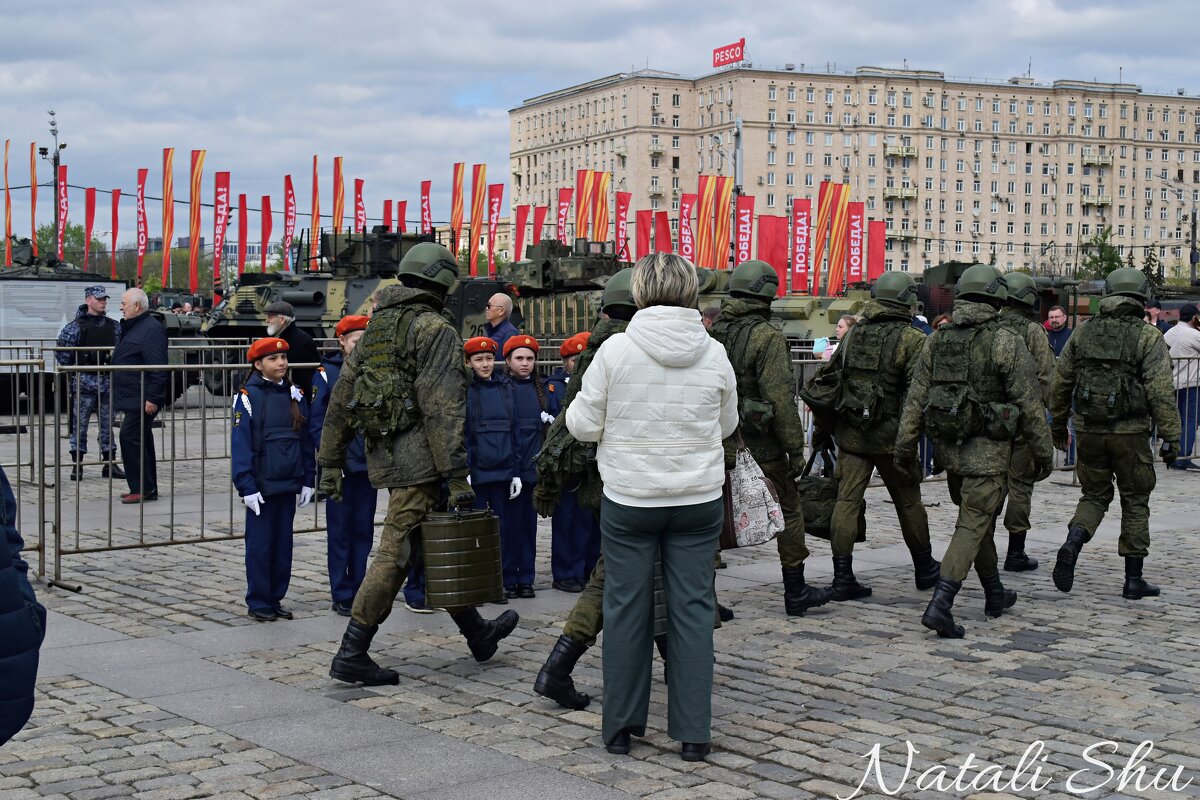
{"x": 996, "y": 597}
{"x": 798, "y": 596}
{"x": 725, "y": 614}
{"x": 845, "y": 586}
{"x": 1068, "y": 554}
{"x": 112, "y": 470}
{"x": 503, "y": 601}
{"x": 568, "y": 585}
{"x": 510, "y": 592}
{"x": 619, "y": 746}
{"x": 483, "y": 636}
{"x": 937, "y": 616}
{"x": 340, "y": 610}
{"x": 1135, "y": 587}
{"x": 926, "y": 570}
{"x": 694, "y": 751}
{"x": 525, "y": 591}
{"x": 1016, "y": 560}
{"x": 554, "y": 679}
{"x": 262, "y": 614}
{"x": 352, "y": 664}
{"x": 284, "y": 613}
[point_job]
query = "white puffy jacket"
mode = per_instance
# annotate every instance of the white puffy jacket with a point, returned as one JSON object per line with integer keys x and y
{"x": 659, "y": 399}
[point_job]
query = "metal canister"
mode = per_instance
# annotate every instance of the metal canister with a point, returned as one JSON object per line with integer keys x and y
{"x": 462, "y": 558}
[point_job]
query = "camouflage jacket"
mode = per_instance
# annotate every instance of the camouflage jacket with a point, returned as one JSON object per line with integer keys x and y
{"x": 769, "y": 418}
{"x": 1151, "y": 368}
{"x": 1011, "y": 366}
{"x": 892, "y": 374}
{"x": 433, "y": 448}
{"x": 1038, "y": 344}
{"x": 73, "y": 334}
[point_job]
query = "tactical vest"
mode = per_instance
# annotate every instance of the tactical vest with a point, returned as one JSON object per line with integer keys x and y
{"x": 102, "y": 333}
{"x": 1107, "y": 385}
{"x": 872, "y": 379}
{"x": 754, "y": 413}
{"x": 966, "y": 394}
{"x": 384, "y": 399}
{"x": 278, "y": 467}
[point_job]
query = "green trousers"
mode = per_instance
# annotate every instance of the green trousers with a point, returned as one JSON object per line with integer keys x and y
{"x": 1022, "y": 469}
{"x": 978, "y": 499}
{"x": 1126, "y": 457}
{"x": 792, "y": 550}
{"x": 685, "y": 537}
{"x": 853, "y": 473}
{"x": 586, "y": 619}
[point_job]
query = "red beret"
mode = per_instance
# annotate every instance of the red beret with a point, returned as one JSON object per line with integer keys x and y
{"x": 574, "y": 345}
{"x": 265, "y": 347}
{"x": 519, "y": 341}
{"x": 354, "y": 322}
{"x": 480, "y": 344}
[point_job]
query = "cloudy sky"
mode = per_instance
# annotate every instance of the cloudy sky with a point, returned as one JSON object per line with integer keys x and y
{"x": 404, "y": 89}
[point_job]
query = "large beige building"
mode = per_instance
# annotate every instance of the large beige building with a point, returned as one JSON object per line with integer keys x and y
{"x": 959, "y": 169}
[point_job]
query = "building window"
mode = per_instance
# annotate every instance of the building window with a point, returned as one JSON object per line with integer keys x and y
{"x": 770, "y": 92}
{"x": 791, "y": 94}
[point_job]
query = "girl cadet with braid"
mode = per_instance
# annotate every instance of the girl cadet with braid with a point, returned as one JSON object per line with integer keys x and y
{"x": 518, "y": 524}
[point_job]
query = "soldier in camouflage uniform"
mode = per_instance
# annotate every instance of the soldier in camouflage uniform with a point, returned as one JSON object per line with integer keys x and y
{"x": 770, "y": 422}
{"x": 974, "y": 392}
{"x": 1019, "y": 316}
{"x": 405, "y": 388}
{"x": 876, "y": 361}
{"x": 1116, "y": 370}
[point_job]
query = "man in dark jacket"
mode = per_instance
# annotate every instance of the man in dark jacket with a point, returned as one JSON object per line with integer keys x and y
{"x": 142, "y": 341}
{"x": 22, "y": 624}
{"x": 281, "y": 322}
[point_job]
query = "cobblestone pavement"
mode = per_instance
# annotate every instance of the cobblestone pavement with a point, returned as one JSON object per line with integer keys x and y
{"x": 798, "y": 703}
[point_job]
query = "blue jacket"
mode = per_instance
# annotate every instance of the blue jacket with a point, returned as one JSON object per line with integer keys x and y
{"x": 22, "y": 623}
{"x": 491, "y": 435}
{"x": 500, "y": 334}
{"x": 322, "y": 387}
{"x": 531, "y": 431}
{"x": 141, "y": 341}
{"x": 268, "y": 456}
{"x": 1058, "y": 339}
{"x": 556, "y": 391}
{"x": 88, "y": 330}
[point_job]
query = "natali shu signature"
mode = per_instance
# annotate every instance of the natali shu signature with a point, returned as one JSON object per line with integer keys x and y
{"x": 1028, "y": 774}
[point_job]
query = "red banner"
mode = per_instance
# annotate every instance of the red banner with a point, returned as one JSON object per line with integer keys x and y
{"x": 243, "y": 234}
{"x": 600, "y": 206}
{"x": 478, "y": 212}
{"x": 564, "y": 208}
{"x": 168, "y": 224}
{"x": 194, "y": 203}
{"x": 855, "y": 220}
{"x": 876, "y": 242}
{"x": 583, "y": 202}
{"x": 426, "y": 211}
{"x": 705, "y": 251}
{"x": 821, "y": 234}
{"x": 839, "y": 233}
{"x": 360, "y": 210}
{"x": 264, "y": 243}
{"x": 220, "y": 226}
{"x": 401, "y": 216}
{"x": 662, "y": 233}
{"x": 314, "y": 231}
{"x": 622, "y": 223}
{"x": 116, "y": 207}
{"x": 519, "y": 233}
{"x": 7, "y": 210}
{"x": 745, "y": 228}
{"x": 33, "y": 196}
{"x": 730, "y": 53}
{"x": 495, "y": 197}
{"x": 723, "y": 221}
{"x": 801, "y": 222}
{"x": 339, "y": 195}
{"x": 143, "y": 232}
{"x": 62, "y": 207}
{"x": 539, "y": 219}
{"x": 89, "y": 224}
{"x": 687, "y": 239}
{"x": 289, "y": 221}
{"x": 773, "y": 246}
{"x": 643, "y": 222}
{"x": 456, "y": 204}
{"x": 387, "y": 213}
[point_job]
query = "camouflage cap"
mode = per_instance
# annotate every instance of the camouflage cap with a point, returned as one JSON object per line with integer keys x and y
{"x": 98, "y": 292}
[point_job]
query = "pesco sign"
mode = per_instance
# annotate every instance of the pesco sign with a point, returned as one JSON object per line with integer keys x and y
{"x": 730, "y": 53}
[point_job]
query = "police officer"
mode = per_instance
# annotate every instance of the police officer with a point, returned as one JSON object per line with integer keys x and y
{"x": 876, "y": 360}
{"x": 1019, "y": 315}
{"x": 1117, "y": 372}
{"x": 90, "y": 391}
{"x": 974, "y": 392}
{"x": 770, "y": 422}
{"x": 405, "y": 386}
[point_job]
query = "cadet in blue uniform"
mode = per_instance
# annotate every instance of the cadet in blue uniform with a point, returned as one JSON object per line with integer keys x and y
{"x": 272, "y": 457}
{"x": 350, "y": 522}
{"x": 518, "y": 523}
{"x": 575, "y": 544}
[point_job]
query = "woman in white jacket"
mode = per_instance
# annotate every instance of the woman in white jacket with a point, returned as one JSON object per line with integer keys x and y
{"x": 659, "y": 399}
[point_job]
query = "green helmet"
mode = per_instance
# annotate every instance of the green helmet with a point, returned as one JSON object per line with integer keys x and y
{"x": 1022, "y": 289}
{"x": 430, "y": 264}
{"x": 756, "y": 279}
{"x": 619, "y": 290}
{"x": 1127, "y": 282}
{"x": 981, "y": 282}
{"x": 895, "y": 287}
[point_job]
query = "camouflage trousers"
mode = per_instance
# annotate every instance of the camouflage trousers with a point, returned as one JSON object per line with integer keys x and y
{"x": 407, "y": 506}
{"x": 1127, "y": 458}
{"x": 1022, "y": 469}
{"x": 792, "y": 549}
{"x": 853, "y": 473}
{"x": 978, "y": 499}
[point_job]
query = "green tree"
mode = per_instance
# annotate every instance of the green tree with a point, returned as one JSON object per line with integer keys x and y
{"x": 1100, "y": 257}
{"x": 1152, "y": 266}
{"x": 73, "y": 239}
{"x": 481, "y": 263}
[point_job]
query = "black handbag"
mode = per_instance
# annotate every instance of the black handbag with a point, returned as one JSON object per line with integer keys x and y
{"x": 818, "y": 495}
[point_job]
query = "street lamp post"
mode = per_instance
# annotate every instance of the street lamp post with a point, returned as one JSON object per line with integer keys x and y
{"x": 54, "y": 161}
{"x": 1194, "y": 255}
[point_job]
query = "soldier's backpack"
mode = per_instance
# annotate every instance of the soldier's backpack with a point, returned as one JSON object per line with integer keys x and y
{"x": 755, "y": 415}
{"x": 1107, "y": 388}
{"x": 870, "y": 386}
{"x": 384, "y": 399}
{"x": 960, "y": 404}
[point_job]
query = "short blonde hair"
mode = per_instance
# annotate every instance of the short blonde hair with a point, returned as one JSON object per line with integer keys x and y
{"x": 665, "y": 279}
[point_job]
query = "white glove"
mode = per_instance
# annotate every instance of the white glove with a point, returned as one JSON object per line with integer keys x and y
{"x": 468, "y": 480}
{"x": 514, "y": 489}
{"x": 546, "y": 418}
{"x": 297, "y": 395}
{"x": 307, "y": 493}
{"x": 254, "y": 502}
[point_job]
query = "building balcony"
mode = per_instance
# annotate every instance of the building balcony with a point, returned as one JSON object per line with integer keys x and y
{"x": 899, "y": 193}
{"x": 656, "y": 190}
{"x": 1097, "y": 200}
{"x": 899, "y": 233}
{"x": 1097, "y": 160}
{"x": 620, "y": 151}
{"x": 656, "y": 149}
{"x": 899, "y": 151}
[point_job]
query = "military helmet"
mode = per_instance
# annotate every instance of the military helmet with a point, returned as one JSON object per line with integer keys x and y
{"x": 1022, "y": 289}
{"x": 431, "y": 264}
{"x": 1127, "y": 282}
{"x": 619, "y": 290}
{"x": 895, "y": 287}
{"x": 754, "y": 279}
{"x": 981, "y": 282}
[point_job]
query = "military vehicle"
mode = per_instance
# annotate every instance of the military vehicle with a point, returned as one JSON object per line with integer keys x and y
{"x": 935, "y": 288}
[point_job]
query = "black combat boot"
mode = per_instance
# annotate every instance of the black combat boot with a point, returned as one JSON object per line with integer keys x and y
{"x": 111, "y": 467}
{"x": 996, "y": 597}
{"x": 554, "y": 679}
{"x": 1068, "y": 554}
{"x": 926, "y": 569}
{"x": 1016, "y": 560}
{"x": 937, "y": 616}
{"x": 798, "y": 596}
{"x": 76, "y": 467}
{"x": 352, "y": 664}
{"x": 482, "y": 637}
{"x": 1135, "y": 587}
{"x": 845, "y": 586}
